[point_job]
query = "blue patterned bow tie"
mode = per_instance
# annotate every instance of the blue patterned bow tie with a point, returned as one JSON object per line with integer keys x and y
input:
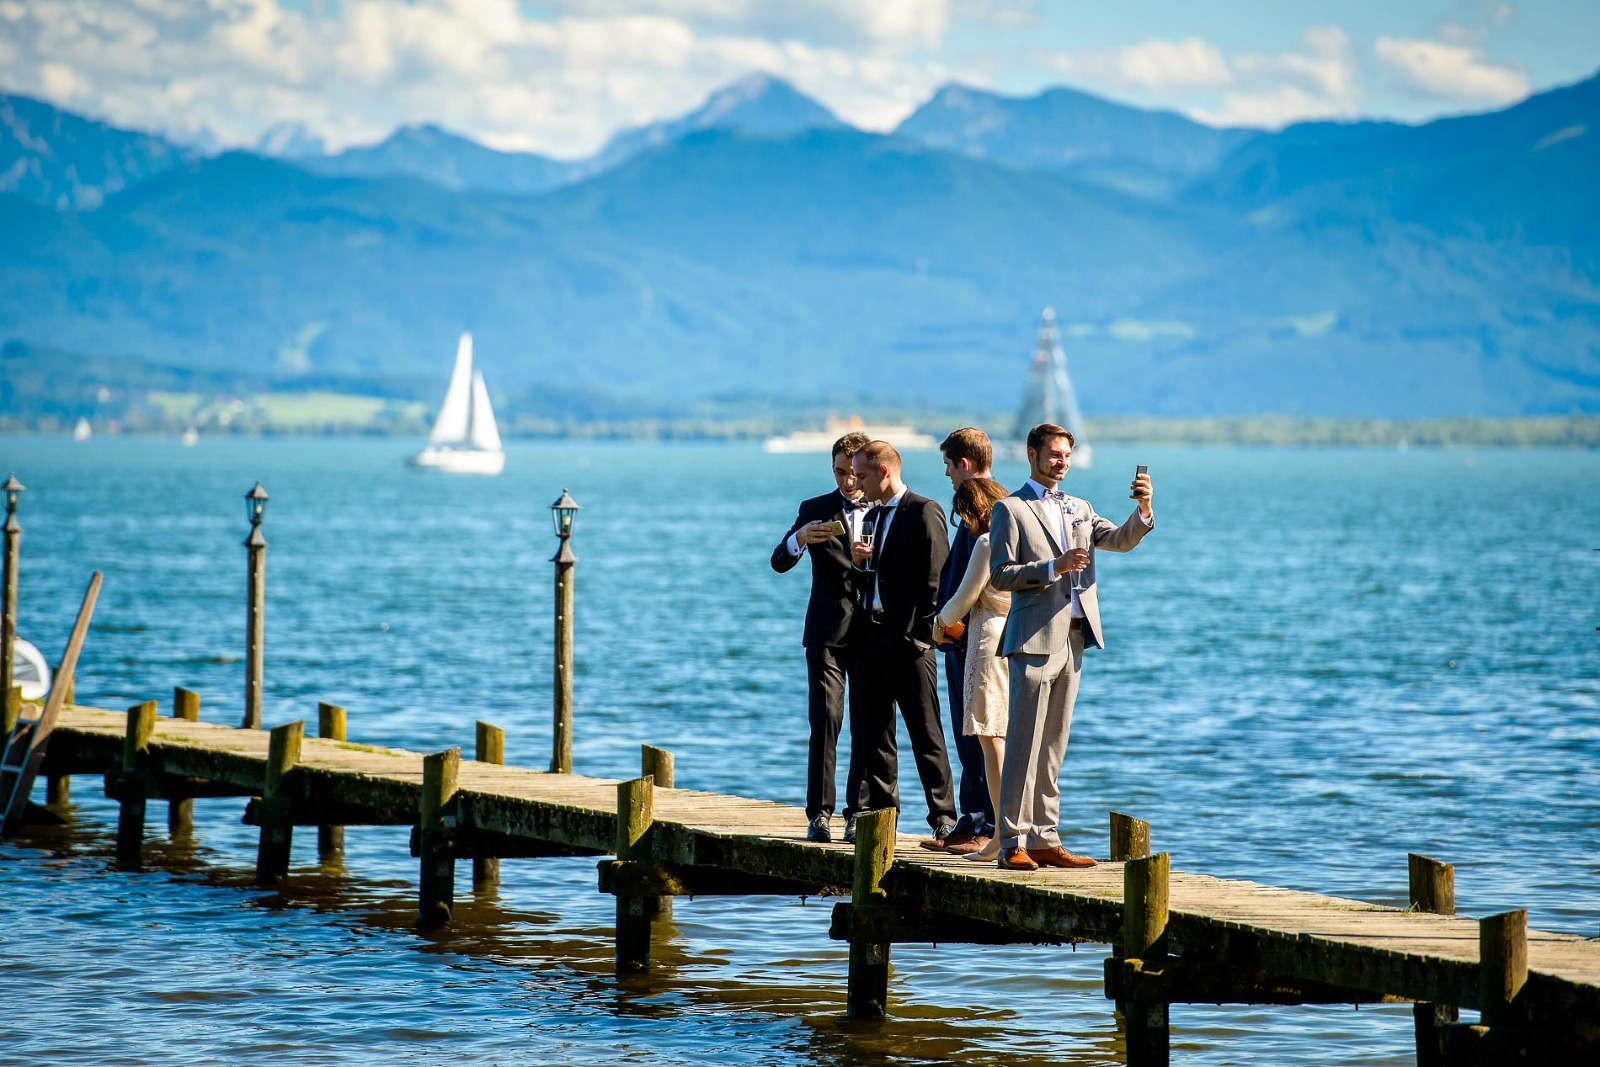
{"x": 1060, "y": 500}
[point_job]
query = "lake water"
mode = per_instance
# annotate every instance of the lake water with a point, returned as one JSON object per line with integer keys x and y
{"x": 1319, "y": 661}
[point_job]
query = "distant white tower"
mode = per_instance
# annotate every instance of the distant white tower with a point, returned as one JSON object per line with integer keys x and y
{"x": 1048, "y": 396}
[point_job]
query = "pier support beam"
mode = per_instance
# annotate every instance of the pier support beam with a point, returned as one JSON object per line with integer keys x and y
{"x": 130, "y": 816}
{"x": 867, "y": 995}
{"x": 657, "y": 764}
{"x": 489, "y": 747}
{"x": 180, "y": 810}
{"x": 330, "y": 725}
{"x": 277, "y": 827}
{"x": 1144, "y": 929}
{"x": 1433, "y": 890}
{"x": 436, "y": 885}
{"x": 635, "y": 843}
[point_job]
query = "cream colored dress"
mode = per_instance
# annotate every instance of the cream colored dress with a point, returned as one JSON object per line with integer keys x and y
{"x": 986, "y": 694}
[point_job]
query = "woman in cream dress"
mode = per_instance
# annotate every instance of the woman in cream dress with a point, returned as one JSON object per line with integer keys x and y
{"x": 987, "y": 688}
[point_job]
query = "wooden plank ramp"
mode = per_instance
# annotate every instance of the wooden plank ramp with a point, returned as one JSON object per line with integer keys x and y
{"x": 1176, "y": 937}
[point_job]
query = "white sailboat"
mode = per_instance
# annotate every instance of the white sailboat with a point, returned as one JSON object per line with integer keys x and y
{"x": 82, "y": 431}
{"x": 465, "y": 439}
{"x": 1049, "y": 396}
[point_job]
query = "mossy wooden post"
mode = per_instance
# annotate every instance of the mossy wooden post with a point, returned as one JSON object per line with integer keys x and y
{"x": 58, "y": 787}
{"x": 1130, "y": 838}
{"x": 1144, "y": 930}
{"x": 656, "y": 763}
{"x": 330, "y": 725}
{"x": 1433, "y": 890}
{"x": 277, "y": 829}
{"x": 12, "y": 711}
{"x": 436, "y": 885}
{"x": 635, "y": 843}
{"x": 490, "y": 747}
{"x": 1502, "y": 967}
{"x": 180, "y": 810}
{"x": 130, "y": 817}
{"x": 867, "y": 995}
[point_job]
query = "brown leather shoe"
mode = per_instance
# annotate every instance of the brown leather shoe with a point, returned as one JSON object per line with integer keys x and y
{"x": 968, "y": 847}
{"x": 1058, "y": 857}
{"x": 1016, "y": 859}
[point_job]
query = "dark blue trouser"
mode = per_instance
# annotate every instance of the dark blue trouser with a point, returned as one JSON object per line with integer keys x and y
{"x": 973, "y": 795}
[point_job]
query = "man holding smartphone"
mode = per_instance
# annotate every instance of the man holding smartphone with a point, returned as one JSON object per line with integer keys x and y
{"x": 824, "y": 529}
{"x": 1042, "y": 544}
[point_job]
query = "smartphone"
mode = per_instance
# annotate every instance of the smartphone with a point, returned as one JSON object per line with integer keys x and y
{"x": 836, "y": 528}
{"x": 1140, "y": 469}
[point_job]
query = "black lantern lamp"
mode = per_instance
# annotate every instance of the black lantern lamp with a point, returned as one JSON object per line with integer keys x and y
{"x": 255, "y": 504}
{"x": 564, "y": 513}
{"x": 14, "y": 490}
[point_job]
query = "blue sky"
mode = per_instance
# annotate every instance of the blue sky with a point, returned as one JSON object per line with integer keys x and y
{"x": 560, "y": 76}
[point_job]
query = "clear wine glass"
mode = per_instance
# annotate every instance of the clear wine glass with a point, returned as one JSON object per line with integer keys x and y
{"x": 867, "y": 530}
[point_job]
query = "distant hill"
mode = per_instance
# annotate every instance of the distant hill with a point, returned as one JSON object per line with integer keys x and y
{"x": 57, "y": 158}
{"x": 1361, "y": 269}
{"x": 1141, "y": 151}
{"x": 446, "y": 159}
{"x": 758, "y": 105}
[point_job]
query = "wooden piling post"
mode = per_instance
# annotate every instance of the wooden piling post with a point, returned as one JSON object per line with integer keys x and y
{"x": 277, "y": 829}
{"x": 1144, "y": 929}
{"x": 635, "y": 843}
{"x": 1433, "y": 890}
{"x": 436, "y": 885}
{"x": 130, "y": 817}
{"x": 58, "y": 787}
{"x": 561, "y": 731}
{"x": 657, "y": 763}
{"x": 330, "y": 725}
{"x": 180, "y": 810}
{"x": 11, "y": 713}
{"x": 1502, "y": 967}
{"x": 490, "y": 747}
{"x": 1130, "y": 838}
{"x": 867, "y": 995}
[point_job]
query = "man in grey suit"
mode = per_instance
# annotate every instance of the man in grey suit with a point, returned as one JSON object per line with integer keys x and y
{"x": 1042, "y": 545}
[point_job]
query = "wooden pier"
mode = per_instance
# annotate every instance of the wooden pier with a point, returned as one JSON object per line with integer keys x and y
{"x": 1177, "y": 937}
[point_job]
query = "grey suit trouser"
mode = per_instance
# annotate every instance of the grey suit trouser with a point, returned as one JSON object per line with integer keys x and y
{"x": 1043, "y": 690}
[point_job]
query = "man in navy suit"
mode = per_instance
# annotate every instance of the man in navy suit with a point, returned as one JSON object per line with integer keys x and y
{"x": 830, "y": 659}
{"x": 894, "y": 640}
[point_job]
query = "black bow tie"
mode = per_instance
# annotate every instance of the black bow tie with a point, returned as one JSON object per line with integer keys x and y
{"x": 856, "y": 505}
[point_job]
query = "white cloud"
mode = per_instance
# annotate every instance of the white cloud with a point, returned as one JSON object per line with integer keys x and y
{"x": 892, "y": 24}
{"x": 1453, "y": 72}
{"x": 561, "y": 85}
{"x": 1317, "y": 80}
{"x": 1000, "y": 14}
{"x": 1158, "y": 66}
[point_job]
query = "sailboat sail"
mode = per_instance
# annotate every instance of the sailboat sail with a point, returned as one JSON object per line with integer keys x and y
{"x": 451, "y": 425}
{"x": 465, "y": 439}
{"x": 1049, "y": 396}
{"x": 483, "y": 433}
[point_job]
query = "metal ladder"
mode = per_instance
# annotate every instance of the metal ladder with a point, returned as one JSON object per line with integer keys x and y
{"x": 25, "y": 748}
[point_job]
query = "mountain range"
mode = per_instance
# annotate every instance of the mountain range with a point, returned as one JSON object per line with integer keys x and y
{"x": 761, "y": 248}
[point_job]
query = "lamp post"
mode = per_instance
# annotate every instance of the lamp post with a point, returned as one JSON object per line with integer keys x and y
{"x": 255, "y": 502}
{"x": 563, "y": 513}
{"x": 8, "y": 626}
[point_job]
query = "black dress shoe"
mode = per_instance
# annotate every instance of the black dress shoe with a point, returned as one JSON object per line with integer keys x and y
{"x": 849, "y": 829}
{"x": 819, "y": 831}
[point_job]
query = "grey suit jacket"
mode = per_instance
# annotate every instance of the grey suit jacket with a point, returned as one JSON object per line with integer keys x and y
{"x": 1022, "y": 544}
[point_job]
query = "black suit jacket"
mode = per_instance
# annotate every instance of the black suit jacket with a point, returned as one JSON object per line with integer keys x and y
{"x": 908, "y": 565}
{"x": 835, "y": 585}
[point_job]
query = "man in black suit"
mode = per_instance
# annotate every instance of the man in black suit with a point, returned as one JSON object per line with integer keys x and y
{"x": 830, "y": 658}
{"x": 894, "y": 639}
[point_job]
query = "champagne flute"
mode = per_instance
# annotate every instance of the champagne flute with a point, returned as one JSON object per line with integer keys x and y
{"x": 1077, "y": 576}
{"x": 867, "y": 530}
